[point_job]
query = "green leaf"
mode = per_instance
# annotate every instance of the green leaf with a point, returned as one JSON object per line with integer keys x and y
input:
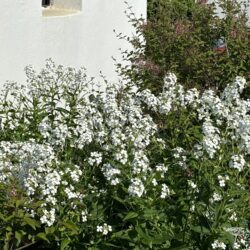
{"x": 229, "y": 237}
{"x": 111, "y": 245}
{"x": 18, "y": 236}
{"x": 149, "y": 213}
{"x": 183, "y": 247}
{"x": 19, "y": 203}
{"x": 8, "y": 228}
{"x": 70, "y": 225}
{"x": 37, "y": 204}
{"x": 9, "y": 218}
{"x": 31, "y": 222}
{"x": 2, "y": 217}
{"x": 118, "y": 199}
{"x": 64, "y": 244}
{"x": 201, "y": 230}
{"x": 163, "y": 237}
{"x": 145, "y": 237}
{"x": 130, "y": 215}
{"x": 50, "y": 230}
{"x": 120, "y": 235}
{"x": 42, "y": 236}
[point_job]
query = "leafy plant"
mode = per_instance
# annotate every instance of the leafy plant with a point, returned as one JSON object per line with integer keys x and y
{"x": 189, "y": 39}
{"x": 121, "y": 167}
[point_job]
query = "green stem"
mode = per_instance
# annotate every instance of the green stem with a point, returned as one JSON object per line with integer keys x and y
{"x": 26, "y": 246}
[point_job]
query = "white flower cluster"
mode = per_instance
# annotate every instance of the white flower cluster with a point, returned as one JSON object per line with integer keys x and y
{"x": 211, "y": 141}
{"x": 136, "y": 187}
{"x": 95, "y": 158}
{"x": 165, "y": 191}
{"x": 237, "y": 162}
{"x": 122, "y": 156}
{"x": 233, "y": 217}
{"x": 218, "y": 245}
{"x": 140, "y": 163}
{"x": 19, "y": 158}
{"x": 192, "y": 185}
{"x": 180, "y": 155}
{"x": 110, "y": 132}
{"x": 241, "y": 235}
{"x": 34, "y": 165}
{"x": 162, "y": 169}
{"x": 84, "y": 216}
{"x": 111, "y": 174}
{"x": 75, "y": 174}
{"x": 227, "y": 111}
{"x": 48, "y": 217}
{"x": 222, "y": 180}
{"x": 216, "y": 197}
{"x": 104, "y": 229}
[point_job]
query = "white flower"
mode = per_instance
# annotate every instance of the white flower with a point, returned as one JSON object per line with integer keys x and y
{"x": 211, "y": 140}
{"x": 178, "y": 152}
{"x": 233, "y": 217}
{"x": 150, "y": 99}
{"x": 154, "y": 182}
{"x": 242, "y": 241}
{"x": 218, "y": 245}
{"x": 122, "y": 156}
{"x": 111, "y": 174}
{"x": 216, "y": 197}
{"x": 71, "y": 193}
{"x": 75, "y": 174}
{"x": 169, "y": 81}
{"x": 105, "y": 229}
{"x": 236, "y": 245}
{"x": 165, "y": 191}
{"x": 48, "y": 217}
{"x": 161, "y": 168}
{"x": 95, "y": 158}
{"x": 140, "y": 163}
{"x": 222, "y": 180}
{"x": 84, "y": 216}
{"x": 238, "y": 162}
{"x": 99, "y": 228}
{"x": 136, "y": 187}
{"x": 191, "y": 97}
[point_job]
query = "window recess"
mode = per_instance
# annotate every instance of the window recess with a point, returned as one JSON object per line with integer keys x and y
{"x": 61, "y": 7}
{"x": 46, "y": 3}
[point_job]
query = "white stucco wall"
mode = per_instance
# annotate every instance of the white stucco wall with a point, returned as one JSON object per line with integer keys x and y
{"x": 71, "y": 4}
{"x": 83, "y": 39}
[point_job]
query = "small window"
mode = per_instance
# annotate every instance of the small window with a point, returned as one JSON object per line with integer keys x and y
{"x": 46, "y": 3}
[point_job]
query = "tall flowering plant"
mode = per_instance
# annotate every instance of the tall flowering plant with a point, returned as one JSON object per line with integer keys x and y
{"x": 104, "y": 167}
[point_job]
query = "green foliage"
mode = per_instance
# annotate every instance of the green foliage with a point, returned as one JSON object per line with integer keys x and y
{"x": 181, "y": 37}
{"x": 183, "y": 205}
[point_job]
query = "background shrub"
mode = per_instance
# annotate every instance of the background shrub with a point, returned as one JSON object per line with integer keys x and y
{"x": 183, "y": 37}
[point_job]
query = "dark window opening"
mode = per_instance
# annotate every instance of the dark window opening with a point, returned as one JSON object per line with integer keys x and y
{"x": 46, "y": 3}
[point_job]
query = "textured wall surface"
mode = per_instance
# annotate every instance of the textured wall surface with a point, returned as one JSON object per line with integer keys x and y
{"x": 70, "y": 4}
{"x": 82, "y": 39}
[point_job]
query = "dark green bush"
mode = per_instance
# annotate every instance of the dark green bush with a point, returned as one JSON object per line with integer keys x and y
{"x": 181, "y": 36}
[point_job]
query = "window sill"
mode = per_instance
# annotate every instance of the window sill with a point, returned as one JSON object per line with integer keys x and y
{"x": 54, "y": 12}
